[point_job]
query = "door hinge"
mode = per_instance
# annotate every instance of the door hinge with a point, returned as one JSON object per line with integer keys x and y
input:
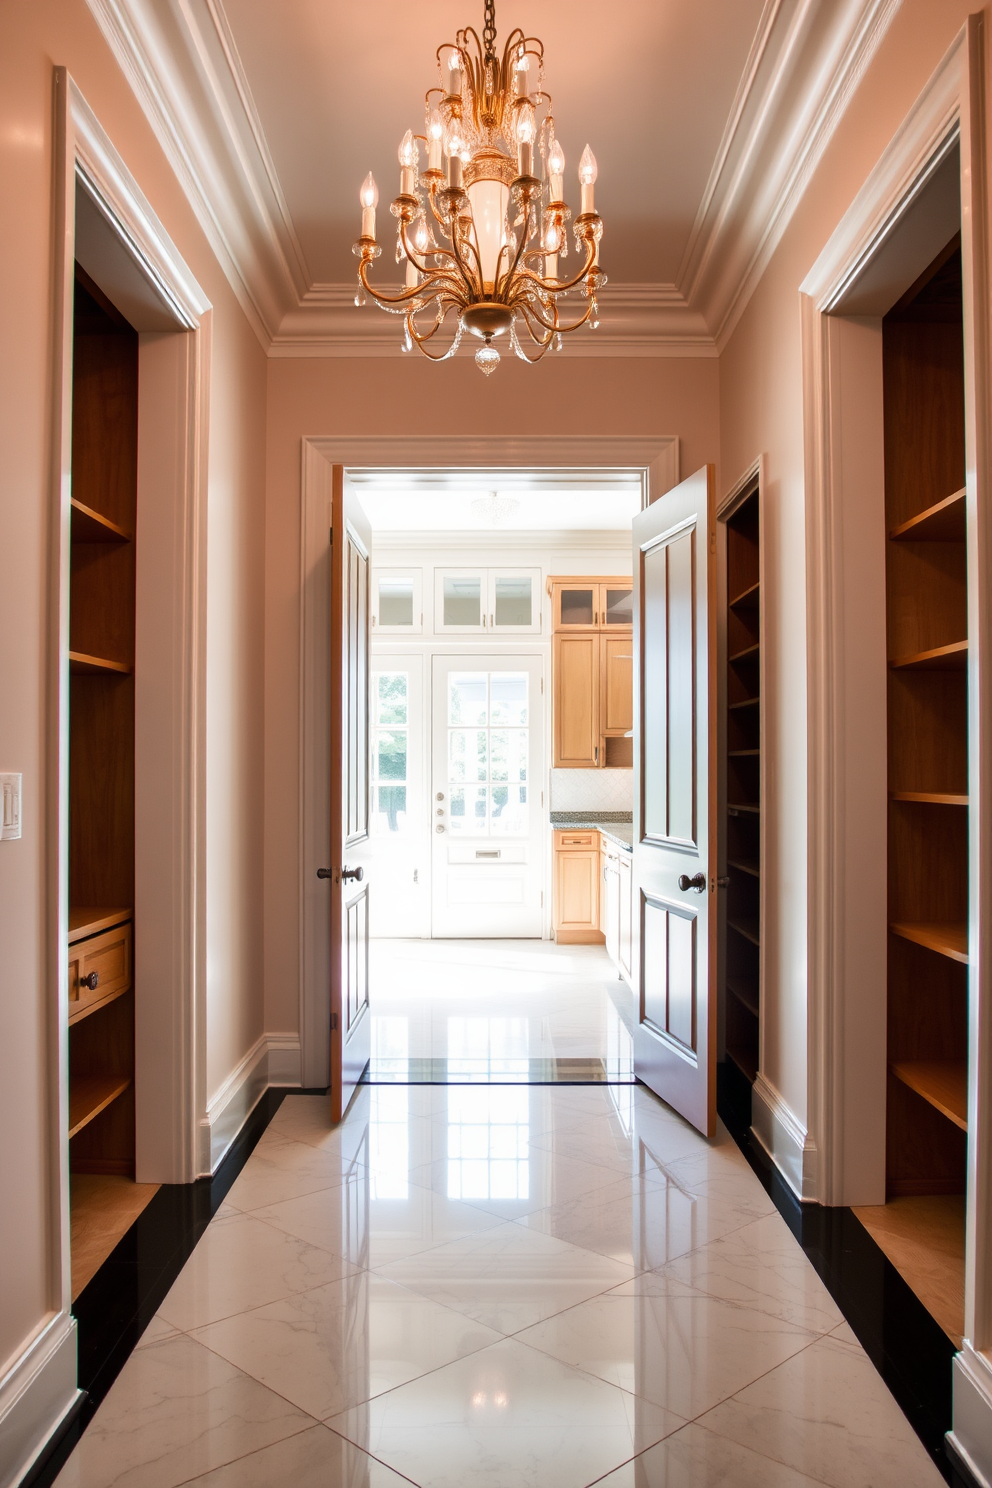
{"x": 334, "y": 1022}
{"x": 330, "y": 536}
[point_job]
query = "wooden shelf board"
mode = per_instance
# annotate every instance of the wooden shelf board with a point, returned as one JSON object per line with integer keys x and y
{"x": 747, "y": 599}
{"x": 91, "y": 526}
{"x": 944, "y": 522}
{"x": 750, "y": 653}
{"x": 84, "y": 921}
{"x": 83, "y": 1007}
{"x": 745, "y": 997}
{"x": 936, "y": 798}
{"x": 102, "y": 1208}
{"x": 743, "y": 753}
{"x": 91, "y": 1094}
{"x": 942, "y": 1082}
{"x": 745, "y": 703}
{"x": 745, "y": 1062}
{"x": 939, "y": 659}
{"x": 745, "y": 865}
{"x": 91, "y": 666}
{"x": 733, "y": 806}
{"x": 946, "y": 937}
{"x": 923, "y": 1237}
{"x": 747, "y": 928}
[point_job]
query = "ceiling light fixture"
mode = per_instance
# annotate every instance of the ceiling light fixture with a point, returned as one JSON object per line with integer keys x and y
{"x": 495, "y": 508}
{"x": 502, "y": 229}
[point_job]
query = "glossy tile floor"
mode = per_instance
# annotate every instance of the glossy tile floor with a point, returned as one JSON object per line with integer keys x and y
{"x": 497, "y": 1287}
{"x": 491, "y": 1005}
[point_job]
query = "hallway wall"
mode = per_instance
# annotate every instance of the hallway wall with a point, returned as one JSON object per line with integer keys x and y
{"x": 407, "y": 395}
{"x": 36, "y": 38}
{"x": 761, "y": 408}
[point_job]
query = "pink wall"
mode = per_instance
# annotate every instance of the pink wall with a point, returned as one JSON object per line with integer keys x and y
{"x": 37, "y": 37}
{"x": 761, "y": 411}
{"x": 309, "y": 396}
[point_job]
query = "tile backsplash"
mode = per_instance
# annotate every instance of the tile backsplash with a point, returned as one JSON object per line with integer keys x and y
{"x": 592, "y": 790}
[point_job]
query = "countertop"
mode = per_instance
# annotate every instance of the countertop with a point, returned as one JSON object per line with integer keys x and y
{"x": 616, "y": 825}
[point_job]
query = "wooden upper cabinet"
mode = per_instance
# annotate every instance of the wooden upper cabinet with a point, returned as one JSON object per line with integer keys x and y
{"x": 591, "y": 603}
{"x": 576, "y": 671}
{"x": 616, "y": 684}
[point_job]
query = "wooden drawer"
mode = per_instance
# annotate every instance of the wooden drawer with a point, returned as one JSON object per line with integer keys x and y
{"x": 107, "y": 957}
{"x": 566, "y": 840}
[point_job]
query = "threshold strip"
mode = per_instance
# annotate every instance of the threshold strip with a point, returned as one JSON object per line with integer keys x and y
{"x": 383, "y": 1071}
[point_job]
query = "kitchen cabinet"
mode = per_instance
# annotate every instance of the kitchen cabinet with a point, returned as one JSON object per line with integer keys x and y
{"x": 592, "y": 673}
{"x": 576, "y": 888}
{"x": 475, "y": 600}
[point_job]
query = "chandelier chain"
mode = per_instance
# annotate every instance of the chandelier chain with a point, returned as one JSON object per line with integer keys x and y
{"x": 489, "y": 31}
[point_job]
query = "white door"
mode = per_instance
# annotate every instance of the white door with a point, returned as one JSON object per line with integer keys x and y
{"x": 398, "y": 817}
{"x": 488, "y": 753}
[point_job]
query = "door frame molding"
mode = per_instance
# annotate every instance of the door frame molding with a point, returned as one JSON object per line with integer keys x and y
{"x": 654, "y": 456}
{"x": 170, "y": 962}
{"x": 951, "y": 109}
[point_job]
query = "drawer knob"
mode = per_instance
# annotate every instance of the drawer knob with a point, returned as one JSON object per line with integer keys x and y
{"x": 92, "y": 981}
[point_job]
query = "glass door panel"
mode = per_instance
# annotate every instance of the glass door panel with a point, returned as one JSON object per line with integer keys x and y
{"x": 461, "y": 600}
{"x": 577, "y": 606}
{"x": 515, "y": 599}
{"x": 397, "y": 605}
{"x": 617, "y": 606}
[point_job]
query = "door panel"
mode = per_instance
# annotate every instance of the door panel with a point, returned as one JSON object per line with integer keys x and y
{"x": 617, "y": 671}
{"x": 675, "y": 783}
{"x": 351, "y": 856}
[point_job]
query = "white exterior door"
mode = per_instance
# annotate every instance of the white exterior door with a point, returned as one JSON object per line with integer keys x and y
{"x": 488, "y": 751}
{"x": 401, "y": 906}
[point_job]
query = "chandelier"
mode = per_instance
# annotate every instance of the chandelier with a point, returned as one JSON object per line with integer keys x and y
{"x": 482, "y": 235}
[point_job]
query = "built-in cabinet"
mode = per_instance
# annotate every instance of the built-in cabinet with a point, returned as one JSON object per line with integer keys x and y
{"x": 478, "y": 600}
{"x": 615, "y": 899}
{"x": 593, "y": 894}
{"x": 592, "y": 672}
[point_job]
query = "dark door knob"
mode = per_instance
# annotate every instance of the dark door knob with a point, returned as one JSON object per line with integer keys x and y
{"x": 92, "y": 981}
{"x": 356, "y": 873}
{"x": 697, "y": 882}
{"x": 325, "y": 872}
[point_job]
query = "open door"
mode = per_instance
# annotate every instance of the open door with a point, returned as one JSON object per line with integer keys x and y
{"x": 675, "y": 797}
{"x": 351, "y": 857}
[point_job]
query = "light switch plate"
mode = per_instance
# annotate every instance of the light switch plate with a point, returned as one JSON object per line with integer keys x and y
{"x": 10, "y": 791}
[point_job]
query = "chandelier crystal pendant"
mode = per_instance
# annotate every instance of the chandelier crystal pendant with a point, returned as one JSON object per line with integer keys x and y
{"x": 481, "y": 235}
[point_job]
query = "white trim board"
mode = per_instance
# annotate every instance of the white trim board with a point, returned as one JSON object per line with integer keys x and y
{"x": 36, "y": 1395}
{"x": 784, "y": 1138}
{"x": 807, "y": 60}
{"x": 273, "y": 1061}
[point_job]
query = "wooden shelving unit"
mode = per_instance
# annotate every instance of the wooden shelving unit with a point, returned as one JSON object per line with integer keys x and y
{"x": 740, "y": 949}
{"x": 101, "y": 749}
{"x": 926, "y": 603}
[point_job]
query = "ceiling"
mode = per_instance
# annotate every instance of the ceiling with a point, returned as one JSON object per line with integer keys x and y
{"x": 707, "y": 118}
{"x": 535, "y": 509}
{"x": 651, "y": 94}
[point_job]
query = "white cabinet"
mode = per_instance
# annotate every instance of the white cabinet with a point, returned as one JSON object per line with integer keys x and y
{"x": 617, "y": 906}
{"x": 470, "y": 601}
{"x": 397, "y": 601}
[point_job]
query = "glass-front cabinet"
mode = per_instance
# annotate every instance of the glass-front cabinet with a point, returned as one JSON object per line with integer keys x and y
{"x": 473, "y": 600}
{"x": 591, "y": 603}
{"x": 397, "y": 601}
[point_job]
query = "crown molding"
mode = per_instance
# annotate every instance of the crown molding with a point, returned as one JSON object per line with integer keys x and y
{"x": 807, "y": 59}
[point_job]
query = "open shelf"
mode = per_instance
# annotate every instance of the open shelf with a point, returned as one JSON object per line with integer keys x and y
{"x": 943, "y": 522}
{"x": 95, "y": 666}
{"x": 733, "y": 806}
{"x": 749, "y": 653}
{"x": 91, "y": 526}
{"x": 747, "y": 600}
{"x": 84, "y": 921}
{"x": 945, "y": 937}
{"x": 939, "y": 659}
{"x": 744, "y": 754}
{"x": 936, "y": 798}
{"x": 744, "y": 1060}
{"x": 747, "y": 928}
{"x": 745, "y": 996}
{"x": 942, "y": 1082}
{"x": 751, "y": 702}
{"x": 746, "y": 865}
{"x": 91, "y": 1094}
{"x": 85, "y": 1006}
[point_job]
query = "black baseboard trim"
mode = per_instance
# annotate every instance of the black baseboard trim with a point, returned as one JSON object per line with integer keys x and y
{"x": 907, "y": 1346}
{"x": 116, "y": 1306}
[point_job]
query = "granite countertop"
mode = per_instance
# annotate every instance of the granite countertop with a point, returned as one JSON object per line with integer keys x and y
{"x": 618, "y": 826}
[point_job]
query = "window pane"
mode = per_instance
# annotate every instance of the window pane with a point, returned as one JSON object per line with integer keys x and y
{"x": 395, "y": 601}
{"x": 391, "y": 808}
{"x": 468, "y": 810}
{"x": 466, "y": 754}
{"x": 467, "y": 698}
{"x": 619, "y": 606}
{"x": 391, "y": 696}
{"x": 509, "y": 810}
{"x": 508, "y": 754}
{"x": 389, "y": 761}
{"x": 509, "y": 698}
{"x": 513, "y": 602}
{"x": 463, "y": 601}
{"x": 576, "y": 607}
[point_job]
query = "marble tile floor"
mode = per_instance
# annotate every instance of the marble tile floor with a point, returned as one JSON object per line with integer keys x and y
{"x": 495, "y": 1003}
{"x": 497, "y": 1287}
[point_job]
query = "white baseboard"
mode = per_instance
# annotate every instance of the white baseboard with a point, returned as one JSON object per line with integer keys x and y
{"x": 274, "y": 1059}
{"x": 971, "y": 1437}
{"x": 784, "y": 1138}
{"x": 36, "y": 1395}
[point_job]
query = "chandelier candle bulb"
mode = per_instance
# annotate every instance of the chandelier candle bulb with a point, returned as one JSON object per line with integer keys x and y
{"x": 455, "y": 172}
{"x": 369, "y": 198}
{"x": 435, "y": 136}
{"x": 455, "y": 74}
{"x": 588, "y": 171}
